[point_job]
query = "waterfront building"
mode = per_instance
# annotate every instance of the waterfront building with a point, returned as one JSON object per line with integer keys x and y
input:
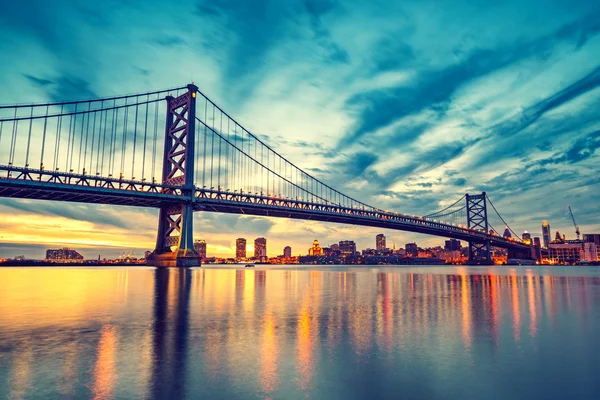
{"x": 526, "y": 237}
{"x": 592, "y": 238}
{"x": 63, "y": 254}
{"x": 380, "y": 242}
{"x": 591, "y": 252}
{"x": 565, "y": 253}
{"x": 287, "y": 252}
{"x": 347, "y": 247}
{"x": 240, "y": 249}
{"x": 315, "y": 249}
{"x": 536, "y": 250}
{"x": 411, "y": 249}
{"x": 546, "y": 235}
{"x": 200, "y": 247}
{"x": 450, "y": 256}
{"x": 452, "y": 245}
{"x": 260, "y": 248}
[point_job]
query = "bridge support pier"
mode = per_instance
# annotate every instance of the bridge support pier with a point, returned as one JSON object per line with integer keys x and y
{"x": 175, "y": 238}
{"x": 479, "y": 253}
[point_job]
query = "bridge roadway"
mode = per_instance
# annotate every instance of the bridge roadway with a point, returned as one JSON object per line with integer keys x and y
{"x": 38, "y": 184}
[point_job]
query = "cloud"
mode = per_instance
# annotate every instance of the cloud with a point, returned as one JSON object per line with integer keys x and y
{"x": 98, "y": 214}
{"x": 434, "y": 88}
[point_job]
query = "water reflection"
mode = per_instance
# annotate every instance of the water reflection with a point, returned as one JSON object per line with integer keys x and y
{"x": 227, "y": 333}
{"x": 170, "y": 328}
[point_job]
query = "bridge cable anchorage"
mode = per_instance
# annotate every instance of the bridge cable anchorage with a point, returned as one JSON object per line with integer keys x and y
{"x": 502, "y": 219}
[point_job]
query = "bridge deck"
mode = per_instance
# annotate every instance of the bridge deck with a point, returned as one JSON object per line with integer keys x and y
{"x": 43, "y": 185}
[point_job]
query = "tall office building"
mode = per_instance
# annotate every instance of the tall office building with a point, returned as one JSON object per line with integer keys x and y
{"x": 546, "y": 235}
{"x": 260, "y": 248}
{"x": 380, "y": 242}
{"x": 240, "y": 249}
{"x": 287, "y": 252}
{"x": 347, "y": 247}
{"x": 200, "y": 247}
{"x": 526, "y": 237}
{"x": 411, "y": 249}
{"x": 452, "y": 245}
{"x": 507, "y": 233}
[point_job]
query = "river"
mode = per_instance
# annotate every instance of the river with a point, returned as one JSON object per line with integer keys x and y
{"x": 271, "y": 332}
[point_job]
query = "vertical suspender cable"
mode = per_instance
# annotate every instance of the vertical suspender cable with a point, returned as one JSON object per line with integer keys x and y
{"x": 134, "y": 138}
{"x": 154, "y": 140}
{"x": 204, "y": 155}
{"x": 212, "y": 150}
{"x": 57, "y": 139}
{"x": 91, "y": 144}
{"x": 43, "y": 139}
{"x": 145, "y": 133}
{"x": 80, "y": 139}
{"x": 220, "y": 141}
{"x": 29, "y": 139}
{"x": 13, "y": 139}
{"x": 124, "y": 139}
{"x": 87, "y": 130}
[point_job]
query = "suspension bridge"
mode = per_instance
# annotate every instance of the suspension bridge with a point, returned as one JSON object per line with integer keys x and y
{"x": 177, "y": 151}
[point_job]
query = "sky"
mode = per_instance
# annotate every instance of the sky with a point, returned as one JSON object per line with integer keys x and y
{"x": 403, "y": 105}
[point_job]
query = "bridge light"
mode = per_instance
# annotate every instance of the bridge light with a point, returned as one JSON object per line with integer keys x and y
{"x": 193, "y": 95}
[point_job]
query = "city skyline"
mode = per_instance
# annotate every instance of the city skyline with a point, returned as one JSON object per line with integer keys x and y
{"x": 515, "y": 117}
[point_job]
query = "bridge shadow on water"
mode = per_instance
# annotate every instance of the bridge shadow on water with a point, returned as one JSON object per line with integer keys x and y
{"x": 170, "y": 327}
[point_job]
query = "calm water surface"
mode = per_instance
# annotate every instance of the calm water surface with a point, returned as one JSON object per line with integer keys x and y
{"x": 297, "y": 333}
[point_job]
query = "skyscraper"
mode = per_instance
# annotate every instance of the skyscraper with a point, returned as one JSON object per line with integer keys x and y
{"x": 260, "y": 248}
{"x": 411, "y": 249}
{"x": 507, "y": 233}
{"x": 200, "y": 247}
{"x": 452, "y": 245}
{"x": 380, "y": 242}
{"x": 526, "y": 237}
{"x": 546, "y": 235}
{"x": 348, "y": 247}
{"x": 240, "y": 249}
{"x": 287, "y": 252}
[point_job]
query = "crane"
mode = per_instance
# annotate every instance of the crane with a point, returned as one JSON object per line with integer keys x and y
{"x": 574, "y": 223}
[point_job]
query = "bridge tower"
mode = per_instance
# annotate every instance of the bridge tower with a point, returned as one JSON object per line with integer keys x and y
{"x": 479, "y": 253}
{"x": 175, "y": 238}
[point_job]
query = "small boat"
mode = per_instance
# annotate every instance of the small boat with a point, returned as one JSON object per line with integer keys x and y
{"x": 249, "y": 265}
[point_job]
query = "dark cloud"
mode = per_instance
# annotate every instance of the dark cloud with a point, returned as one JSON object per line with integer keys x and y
{"x": 98, "y": 214}
{"x": 391, "y": 53}
{"x": 581, "y": 149}
{"x": 64, "y": 88}
{"x": 169, "y": 41}
{"x": 434, "y": 88}
{"x": 38, "y": 81}
{"x": 533, "y": 113}
{"x": 458, "y": 182}
{"x": 355, "y": 164}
